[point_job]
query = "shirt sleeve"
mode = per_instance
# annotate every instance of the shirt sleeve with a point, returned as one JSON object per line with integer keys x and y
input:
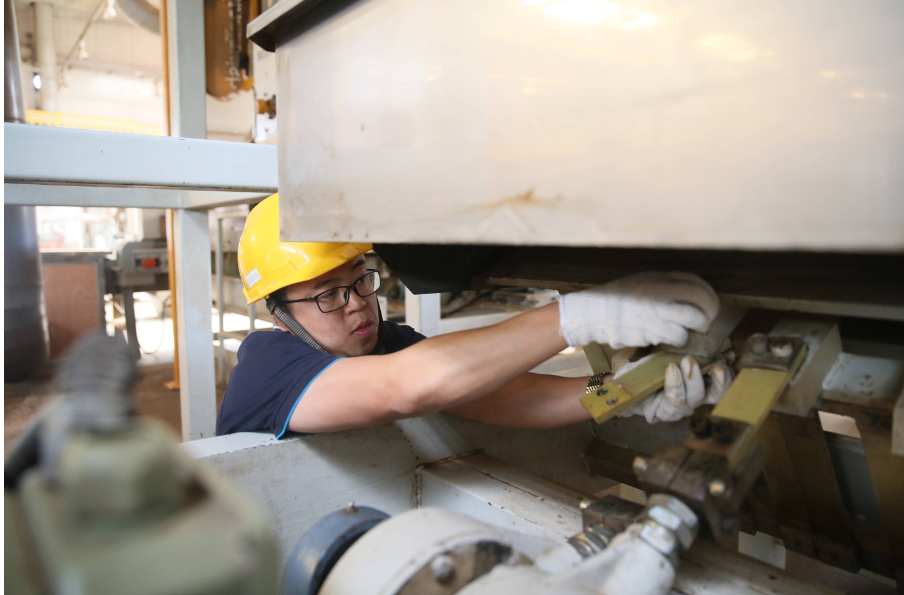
{"x": 273, "y": 372}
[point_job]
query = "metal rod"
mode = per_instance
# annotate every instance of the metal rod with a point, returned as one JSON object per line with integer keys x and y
{"x": 221, "y": 309}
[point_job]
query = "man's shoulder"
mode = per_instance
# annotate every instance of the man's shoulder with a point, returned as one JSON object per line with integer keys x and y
{"x": 399, "y": 336}
{"x": 265, "y": 338}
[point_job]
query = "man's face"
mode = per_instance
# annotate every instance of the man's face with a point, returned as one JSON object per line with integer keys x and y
{"x": 347, "y": 332}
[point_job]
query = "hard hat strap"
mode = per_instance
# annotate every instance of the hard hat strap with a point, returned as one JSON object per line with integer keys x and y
{"x": 278, "y": 312}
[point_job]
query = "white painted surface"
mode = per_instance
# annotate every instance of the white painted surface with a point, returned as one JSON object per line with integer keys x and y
{"x": 299, "y": 480}
{"x": 751, "y": 124}
{"x": 43, "y": 155}
{"x": 383, "y": 560}
{"x": 197, "y": 383}
{"x": 499, "y": 494}
{"x": 422, "y": 312}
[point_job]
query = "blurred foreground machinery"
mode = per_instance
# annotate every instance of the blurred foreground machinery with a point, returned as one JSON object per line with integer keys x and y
{"x": 98, "y": 501}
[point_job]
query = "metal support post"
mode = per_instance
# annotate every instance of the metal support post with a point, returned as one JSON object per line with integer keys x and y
{"x": 422, "y": 312}
{"x": 221, "y": 309}
{"x": 197, "y": 380}
{"x": 187, "y": 79}
{"x": 128, "y": 306}
{"x": 252, "y": 317}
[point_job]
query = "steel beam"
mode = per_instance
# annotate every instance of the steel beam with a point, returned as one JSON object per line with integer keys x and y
{"x": 43, "y": 155}
{"x": 197, "y": 382}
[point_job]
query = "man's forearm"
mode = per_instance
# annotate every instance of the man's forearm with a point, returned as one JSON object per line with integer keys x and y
{"x": 454, "y": 369}
{"x": 529, "y": 401}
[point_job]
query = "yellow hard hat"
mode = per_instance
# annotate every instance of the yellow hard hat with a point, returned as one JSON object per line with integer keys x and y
{"x": 267, "y": 265}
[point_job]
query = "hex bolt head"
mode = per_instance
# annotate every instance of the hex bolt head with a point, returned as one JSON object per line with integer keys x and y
{"x": 611, "y": 401}
{"x": 758, "y": 343}
{"x": 443, "y": 568}
{"x": 780, "y": 347}
{"x": 717, "y": 488}
{"x": 640, "y": 465}
{"x": 602, "y": 392}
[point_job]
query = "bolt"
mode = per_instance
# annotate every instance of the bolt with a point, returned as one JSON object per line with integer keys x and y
{"x": 758, "y": 343}
{"x": 602, "y": 391}
{"x": 781, "y": 347}
{"x": 611, "y": 400}
{"x": 700, "y": 426}
{"x": 640, "y": 465}
{"x": 717, "y": 488}
{"x": 350, "y": 507}
{"x": 585, "y": 503}
{"x": 443, "y": 568}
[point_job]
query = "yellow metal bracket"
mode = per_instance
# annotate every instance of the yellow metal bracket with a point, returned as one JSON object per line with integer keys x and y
{"x": 634, "y": 386}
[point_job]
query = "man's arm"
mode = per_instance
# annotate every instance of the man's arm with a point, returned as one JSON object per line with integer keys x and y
{"x": 435, "y": 374}
{"x": 530, "y": 401}
{"x": 453, "y": 370}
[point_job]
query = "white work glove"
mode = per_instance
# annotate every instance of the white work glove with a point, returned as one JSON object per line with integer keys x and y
{"x": 684, "y": 390}
{"x": 643, "y": 309}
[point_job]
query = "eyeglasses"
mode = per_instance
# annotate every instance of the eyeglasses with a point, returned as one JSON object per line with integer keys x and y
{"x": 337, "y": 297}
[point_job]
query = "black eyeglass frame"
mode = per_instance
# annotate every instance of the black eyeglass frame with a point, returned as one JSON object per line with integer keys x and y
{"x": 348, "y": 289}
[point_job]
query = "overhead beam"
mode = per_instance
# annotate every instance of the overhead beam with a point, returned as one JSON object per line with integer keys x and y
{"x": 140, "y": 198}
{"x": 44, "y": 155}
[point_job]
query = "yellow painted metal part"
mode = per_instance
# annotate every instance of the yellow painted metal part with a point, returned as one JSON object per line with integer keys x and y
{"x": 632, "y": 387}
{"x": 753, "y": 393}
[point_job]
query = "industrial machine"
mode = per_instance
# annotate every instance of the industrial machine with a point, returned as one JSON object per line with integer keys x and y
{"x": 559, "y": 144}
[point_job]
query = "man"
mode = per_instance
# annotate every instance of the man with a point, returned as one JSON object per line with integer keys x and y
{"x": 334, "y": 364}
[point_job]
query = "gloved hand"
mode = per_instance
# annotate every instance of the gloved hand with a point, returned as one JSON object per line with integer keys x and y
{"x": 643, "y": 309}
{"x": 684, "y": 390}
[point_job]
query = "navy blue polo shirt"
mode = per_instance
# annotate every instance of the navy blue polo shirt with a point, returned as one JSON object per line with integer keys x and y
{"x": 274, "y": 370}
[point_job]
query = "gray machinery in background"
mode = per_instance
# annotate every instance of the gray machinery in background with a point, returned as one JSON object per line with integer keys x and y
{"x": 99, "y": 501}
{"x": 138, "y": 266}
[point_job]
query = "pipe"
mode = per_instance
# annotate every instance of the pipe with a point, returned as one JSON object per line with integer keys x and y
{"x": 13, "y": 103}
{"x": 141, "y": 14}
{"x": 47, "y": 62}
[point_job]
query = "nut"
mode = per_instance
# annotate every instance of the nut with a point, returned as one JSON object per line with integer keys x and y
{"x": 660, "y": 539}
{"x": 781, "y": 347}
{"x": 718, "y": 489}
{"x": 758, "y": 343}
{"x": 443, "y": 568}
{"x": 640, "y": 465}
{"x": 672, "y": 514}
